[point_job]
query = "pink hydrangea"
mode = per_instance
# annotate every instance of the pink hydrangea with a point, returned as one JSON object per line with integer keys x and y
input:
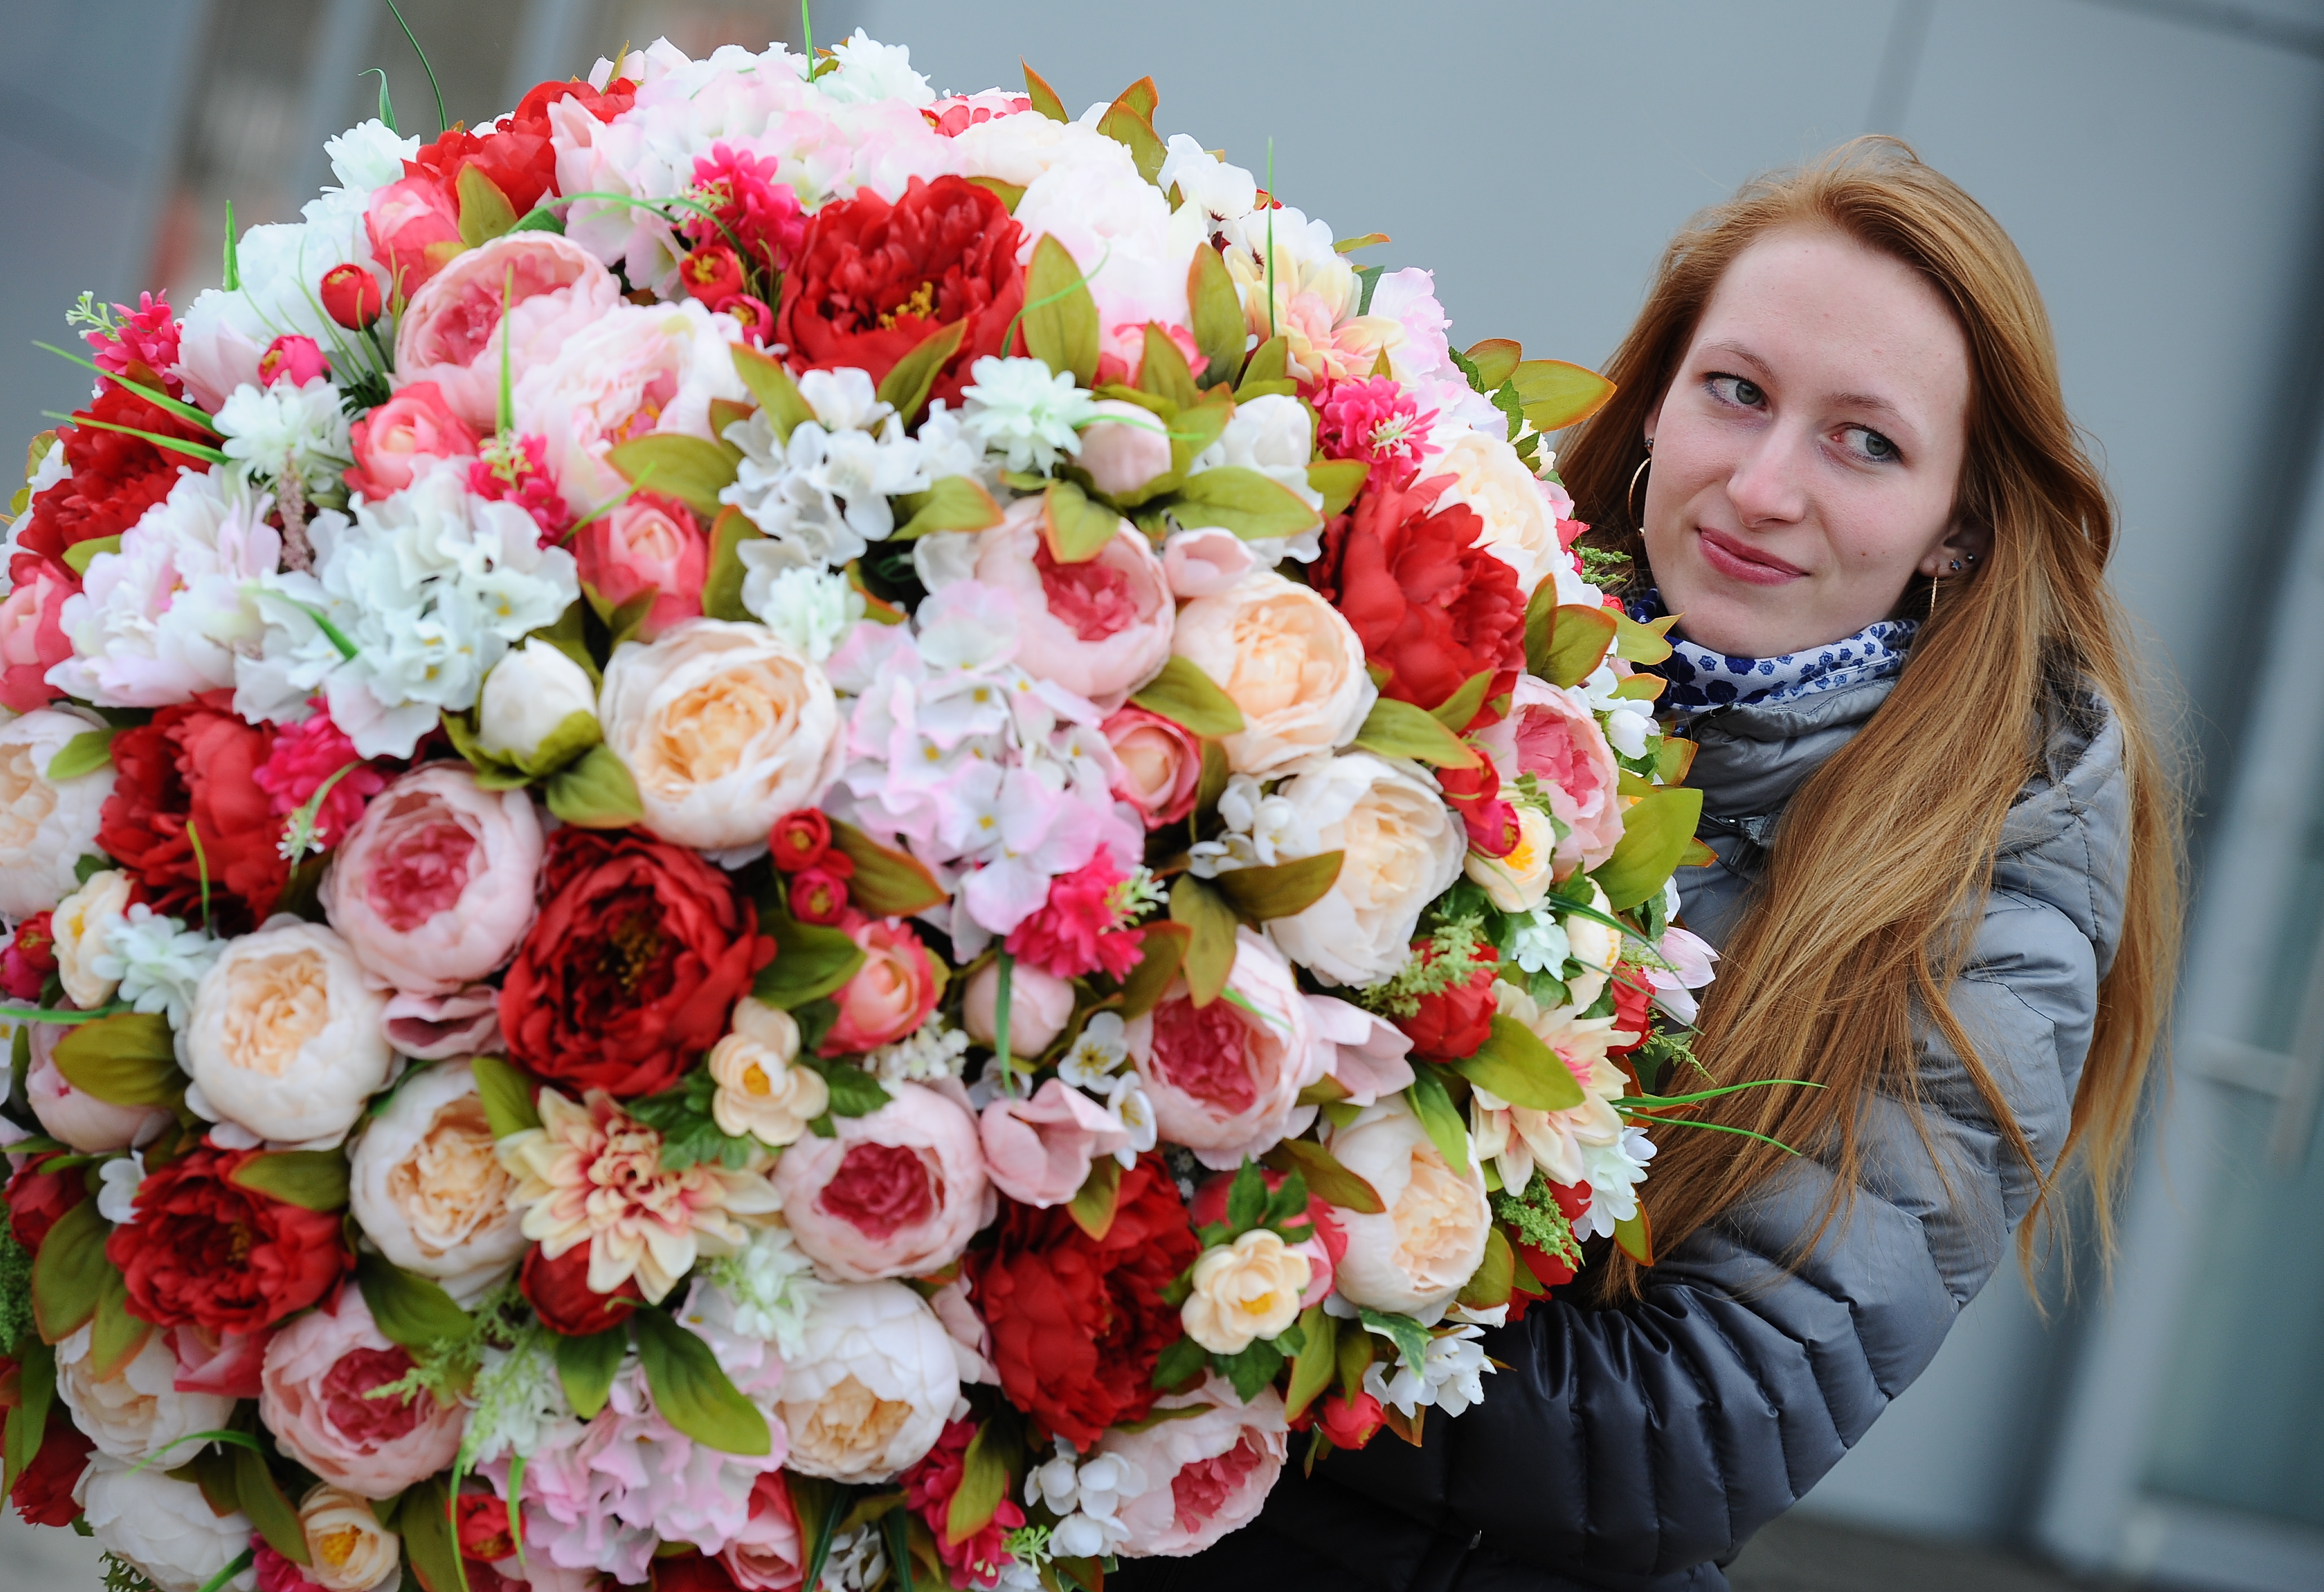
{"x": 515, "y": 470}
{"x": 1076, "y": 931}
{"x": 304, "y": 757}
{"x": 146, "y": 335}
{"x": 1376, "y": 421}
{"x": 751, "y": 201}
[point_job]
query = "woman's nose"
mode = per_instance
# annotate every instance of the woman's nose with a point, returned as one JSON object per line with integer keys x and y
{"x": 1768, "y": 485}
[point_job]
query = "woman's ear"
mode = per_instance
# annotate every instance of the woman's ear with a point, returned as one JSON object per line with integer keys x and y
{"x": 1964, "y": 547}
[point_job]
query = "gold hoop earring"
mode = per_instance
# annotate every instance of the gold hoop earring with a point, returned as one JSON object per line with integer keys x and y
{"x": 1630, "y": 498}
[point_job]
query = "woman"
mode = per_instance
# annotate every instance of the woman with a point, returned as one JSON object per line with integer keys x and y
{"x": 1946, "y": 891}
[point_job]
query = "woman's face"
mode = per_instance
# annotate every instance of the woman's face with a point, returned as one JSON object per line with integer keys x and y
{"x": 1807, "y": 454}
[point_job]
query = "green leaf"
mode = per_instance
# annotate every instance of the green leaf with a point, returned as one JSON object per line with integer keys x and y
{"x": 260, "y": 1495}
{"x": 1244, "y": 502}
{"x": 1338, "y": 480}
{"x": 586, "y": 1366}
{"x": 1282, "y": 889}
{"x": 722, "y": 584}
{"x": 1437, "y": 1114}
{"x": 1008, "y": 193}
{"x": 81, "y": 555}
{"x": 1578, "y": 645}
{"x": 1184, "y": 694}
{"x": 1326, "y": 1178}
{"x": 907, "y": 383}
{"x": 1180, "y": 1363}
{"x": 1456, "y": 712}
{"x": 1673, "y": 759}
{"x": 411, "y": 1311}
{"x": 85, "y": 753}
{"x": 116, "y": 1334}
{"x": 1556, "y": 394}
{"x": 1075, "y": 528}
{"x": 540, "y": 218}
{"x": 1493, "y": 360}
{"x": 1163, "y": 952}
{"x": 570, "y": 636}
{"x": 1218, "y": 323}
{"x": 811, "y": 962}
{"x": 675, "y": 466}
{"x": 1211, "y": 924}
{"x": 983, "y": 1483}
{"x": 1636, "y": 1238}
{"x": 313, "y": 1180}
{"x": 1515, "y": 1064}
{"x": 124, "y": 1059}
{"x": 1639, "y": 688}
{"x": 691, "y": 1393}
{"x": 507, "y": 1096}
{"x": 1318, "y": 1357}
{"x": 425, "y": 1523}
{"x": 1252, "y": 1369}
{"x": 1410, "y": 1338}
{"x": 594, "y": 792}
{"x": 887, "y": 883}
{"x": 1044, "y": 97}
{"x": 770, "y": 382}
{"x": 1655, "y": 835}
{"x": 853, "y": 1091}
{"x": 1060, "y": 324}
{"x": 28, "y": 1422}
{"x": 485, "y": 212}
{"x": 1268, "y": 370}
{"x": 1162, "y": 370}
{"x": 1093, "y": 1203}
{"x": 955, "y": 503}
{"x": 1395, "y": 728}
{"x": 1640, "y": 643}
{"x": 1540, "y": 629}
{"x": 68, "y": 1274}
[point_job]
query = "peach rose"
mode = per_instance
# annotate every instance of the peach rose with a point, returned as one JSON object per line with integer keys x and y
{"x": 725, "y": 727}
{"x": 646, "y": 546}
{"x": 1552, "y": 735}
{"x": 1039, "y": 1152}
{"x": 451, "y": 332}
{"x": 897, "y": 1192}
{"x": 46, "y": 827}
{"x": 425, "y": 1185}
{"x": 1402, "y": 848}
{"x": 1488, "y": 477}
{"x": 1100, "y": 628}
{"x": 1040, "y": 1004}
{"x": 1161, "y": 764}
{"x": 285, "y": 1036}
{"x": 319, "y": 1371}
{"x": 1290, "y": 661}
{"x": 890, "y": 995}
{"x": 1414, "y": 1255}
{"x": 433, "y": 889}
{"x": 390, "y": 441}
{"x": 1203, "y": 1475}
{"x": 1225, "y": 1078}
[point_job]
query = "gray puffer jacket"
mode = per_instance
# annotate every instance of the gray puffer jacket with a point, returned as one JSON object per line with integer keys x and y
{"x": 1638, "y": 1448}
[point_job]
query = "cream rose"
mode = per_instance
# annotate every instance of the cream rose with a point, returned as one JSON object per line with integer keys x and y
{"x": 350, "y": 1551}
{"x": 760, "y": 1093}
{"x": 80, "y": 926}
{"x": 1290, "y": 661}
{"x": 872, "y": 1386}
{"x": 285, "y": 1038}
{"x": 1247, "y": 1290}
{"x": 1490, "y": 478}
{"x": 163, "y": 1528}
{"x": 137, "y": 1412}
{"x": 1403, "y": 848}
{"x": 1595, "y": 946}
{"x": 1517, "y": 881}
{"x": 425, "y": 1185}
{"x": 725, "y": 728}
{"x": 45, "y": 828}
{"x": 1414, "y": 1256}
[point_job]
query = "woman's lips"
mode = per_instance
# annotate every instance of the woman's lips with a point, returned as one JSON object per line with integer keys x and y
{"x": 1738, "y": 561}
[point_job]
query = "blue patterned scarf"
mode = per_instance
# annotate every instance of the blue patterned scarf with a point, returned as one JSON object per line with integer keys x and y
{"x": 1701, "y": 680}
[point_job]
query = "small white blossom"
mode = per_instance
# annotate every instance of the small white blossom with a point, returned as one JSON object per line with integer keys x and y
{"x": 279, "y": 431}
{"x": 158, "y": 960}
{"x": 1262, "y": 831}
{"x": 1540, "y": 944}
{"x": 1135, "y": 1113}
{"x": 856, "y": 1562}
{"x": 1100, "y": 1050}
{"x": 116, "y": 1195}
{"x": 1017, "y": 409}
{"x": 1450, "y": 1375}
{"x": 516, "y": 1395}
{"x": 822, "y": 497}
{"x": 1614, "y": 1172}
{"x": 773, "y": 1287}
{"x": 1086, "y": 1498}
{"x": 811, "y": 609}
{"x": 932, "y": 1050}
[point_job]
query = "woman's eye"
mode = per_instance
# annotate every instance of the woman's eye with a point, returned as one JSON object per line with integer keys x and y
{"x": 1869, "y": 444}
{"x": 1738, "y": 390}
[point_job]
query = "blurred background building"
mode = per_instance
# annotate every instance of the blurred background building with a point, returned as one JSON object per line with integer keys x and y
{"x": 2160, "y": 161}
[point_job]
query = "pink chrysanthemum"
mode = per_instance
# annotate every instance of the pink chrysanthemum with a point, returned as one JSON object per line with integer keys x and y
{"x": 515, "y": 470}
{"x": 303, "y": 759}
{"x": 752, "y": 200}
{"x": 1376, "y": 421}
{"x": 146, "y": 335}
{"x": 1078, "y": 929}
{"x": 978, "y": 1559}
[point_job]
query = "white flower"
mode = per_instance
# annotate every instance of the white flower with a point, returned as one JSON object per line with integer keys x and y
{"x": 857, "y": 1562}
{"x": 529, "y": 694}
{"x": 934, "y": 1050}
{"x": 1086, "y": 1498}
{"x": 822, "y": 497}
{"x": 1017, "y": 409}
{"x": 79, "y": 928}
{"x": 1219, "y": 192}
{"x": 137, "y": 1412}
{"x": 1402, "y": 846}
{"x": 158, "y": 960}
{"x": 1096, "y": 1055}
{"x": 869, "y": 71}
{"x": 1539, "y": 943}
{"x": 45, "y": 827}
{"x": 116, "y": 1197}
{"x": 772, "y": 1289}
{"x": 1262, "y": 831}
{"x": 163, "y": 1528}
{"x": 516, "y": 1397}
{"x": 872, "y": 1386}
{"x": 1614, "y": 1172}
{"x": 1450, "y": 1375}
{"x": 279, "y": 431}
{"x": 369, "y": 155}
{"x": 811, "y": 609}
{"x": 1134, "y": 1110}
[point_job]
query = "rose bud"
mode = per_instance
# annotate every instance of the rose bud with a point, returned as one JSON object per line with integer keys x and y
{"x": 293, "y": 359}
{"x": 1351, "y": 1424}
{"x": 818, "y": 896}
{"x": 1040, "y": 1004}
{"x": 558, "y": 1289}
{"x": 351, "y": 296}
{"x": 1125, "y": 450}
{"x": 484, "y": 1531}
{"x": 713, "y": 273}
{"x": 390, "y": 442}
{"x": 800, "y": 839}
{"x": 527, "y": 697}
{"x": 29, "y": 960}
{"x": 1453, "y": 1023}
{"x": 1161, "y": 764}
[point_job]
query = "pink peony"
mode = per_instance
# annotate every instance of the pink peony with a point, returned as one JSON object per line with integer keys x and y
{"x": 1204, "y": 1475}
{"x": 1368, "y": 1052}
{"x": 890, "y": 995}
{"x": 451, "y": 332}
{"x": 73, "y": 1117}
{"x": 433, "y": 887}
{"x": 390, "y": 442}
{"x": 228, "y": 1364}
{"x": 646, "y": 545}
{"x": 432, "y": 1027}
{"x": 414, "y": 232}
{"x": 1074, "y": 932}
{"x": 32, "y": 638}
{"x": 1101, "y": 628}
{"x": 303, "y": 759}
{"x": 515, "y": 470}
{"x": 1553, "y": 736}
{"x": 895, "y": 1194}
{"x": 1161, "y": 764}
{"x": 1038, "y": 1152}
{"x": 1226, "y": 1078}
{"x": 293, "y": 359}
{"x": 318, "y": 1373}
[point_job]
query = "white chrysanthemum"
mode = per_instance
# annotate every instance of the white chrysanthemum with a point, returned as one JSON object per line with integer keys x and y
{"x": 158, "y": 962}
{"x": 1017, "y": 409}
{"x": 768, "y": 1290}
{"x": 273, "y": 431}
{"x": 812, "y": 609}
{"x": 369, "y": 155}
{"x": 870, "y": 70}
{"x": 822, "y": 497}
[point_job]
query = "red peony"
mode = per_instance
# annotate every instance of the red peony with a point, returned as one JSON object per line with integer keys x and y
{"x": 1452, "y": 1024}
{"x": 116, "y": 477}
{"x": 691, "y": 1570}
{"x": 1078, "y": 1322}
{"x": 203, "y": 1251}
{"x": 1549, "y": 1270}
{"x": 515, "y": 153}
{"x": 558, "y": 1290}
{"x": 712, "y": 275}
{"x": 29, "y": 960}
{"x": 189, "y": 781}
{"x": 44, "y": 1494}
{"x": 39, "y": 1198}
{"x": 627, "y": 976}
{"x": 976, "y": 1559}
{"x": 483, "y": 1528}
{"x": 1432, "y": 606}
{"x": 874, "y": 280}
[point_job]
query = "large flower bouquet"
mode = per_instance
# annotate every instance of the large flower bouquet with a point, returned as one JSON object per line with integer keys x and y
{"x": 764, "y": 830}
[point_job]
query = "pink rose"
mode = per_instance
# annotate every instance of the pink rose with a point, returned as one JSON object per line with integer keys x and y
{"x": 1038, "y": 1152}
{"x": 293, "y": 359}
{"x": 1204, "y": 1475}
{"x": 890, "y": 995}
{"x": 87, "y": 1124}
{"x": 1100, "y": 628}
{"x": 1549, "y": 734}
{"x": 1040, "y": 1004}
{"x": 433, "y": 887}
{"x": 32, "y": 638}
{"x": 648, "y": 544}
{"x": 1225, "y": 1078}
{"x": 228, "y": 1364}
{"x": 316, "y": 1373}
{"x": 414, "y": 232}
{"x": 1368, "y": 1052}
{"x": 390, "y": 442}
{"x": 1127, "y": 449}
{"x": 1161, "y": 764}
{"x": 767, "y": 1555}
{"x": 433, "y": 1027}
{"x": 896, "y": 1193}
{"x": 1204, "y": 562}
{"x": 450, "y": 331}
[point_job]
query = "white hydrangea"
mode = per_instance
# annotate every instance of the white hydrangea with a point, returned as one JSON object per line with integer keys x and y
{"x": 1450, "y": 1375}
{"x": 934, "y": 1050}
{"x": 1017, "y": 409}
{"x": 771, "y": 1289}
{"x": 516, "y": 1395}
{"x": 1086, "y": 1498}
{"x": 1262, "y": 831}
{"x": 1096, "y": 1053}
{"x": 870, "y": 70}
{"x": 811, "y": 609}
{"x": 157, "y": 961}
{"x": 1540, "y": 944}
{"x": 275, "y": 431}
{"x": 822, "y": 498}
